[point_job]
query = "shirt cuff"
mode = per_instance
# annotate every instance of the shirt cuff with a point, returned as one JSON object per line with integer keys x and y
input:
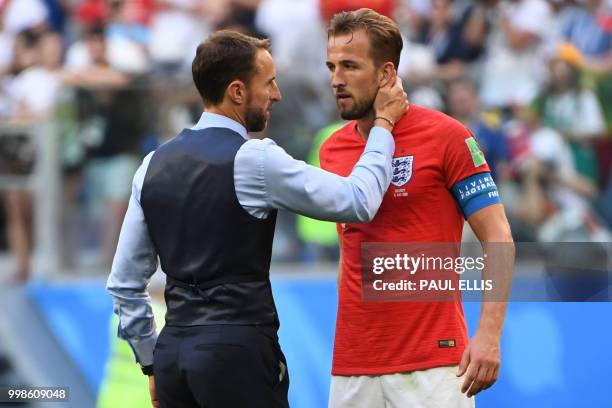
{"x": 380, "y": 140}
{"x": 143, "y": 350}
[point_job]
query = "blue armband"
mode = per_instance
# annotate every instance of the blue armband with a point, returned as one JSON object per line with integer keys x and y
{"x": 475, "y": 193}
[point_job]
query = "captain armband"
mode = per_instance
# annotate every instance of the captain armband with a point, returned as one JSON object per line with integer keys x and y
{"x": 475, "y": 193}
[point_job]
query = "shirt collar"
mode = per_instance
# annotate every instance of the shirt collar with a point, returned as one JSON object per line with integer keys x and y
{"x": 210, "y": 120}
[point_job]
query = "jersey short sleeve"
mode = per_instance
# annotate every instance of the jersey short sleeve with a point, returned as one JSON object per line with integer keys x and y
{"x": 462, "y": 156}
{"x": 467, "y": 173}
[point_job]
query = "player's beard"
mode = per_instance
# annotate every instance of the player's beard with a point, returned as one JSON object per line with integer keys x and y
{"x": 255, "y": 118}
{"x": 361, "y": 109}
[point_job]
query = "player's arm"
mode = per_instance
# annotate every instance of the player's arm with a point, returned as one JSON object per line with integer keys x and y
{"x": 469, "y": 179}
{"x": 134, "y": 263}
{"x": 481, "y": 359}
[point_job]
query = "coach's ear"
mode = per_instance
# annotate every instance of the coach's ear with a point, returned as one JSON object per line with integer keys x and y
{"x": 236, "y": 92}
{"x": 387, "y": 74}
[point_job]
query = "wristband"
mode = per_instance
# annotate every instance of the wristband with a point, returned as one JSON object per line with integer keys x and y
{"x": 385, "y": 119}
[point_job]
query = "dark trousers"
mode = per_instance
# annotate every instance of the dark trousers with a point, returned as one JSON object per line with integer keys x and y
{"x": 220, "y": 366}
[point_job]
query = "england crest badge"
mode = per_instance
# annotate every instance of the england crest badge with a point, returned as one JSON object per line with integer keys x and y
{"x": 402, "y": 170}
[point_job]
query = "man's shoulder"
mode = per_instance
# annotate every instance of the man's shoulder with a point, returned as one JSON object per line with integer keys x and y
{"x": 429, "y": 119}
{"x": 257, "y": 144}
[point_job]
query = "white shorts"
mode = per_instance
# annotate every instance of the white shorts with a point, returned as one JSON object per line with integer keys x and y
{"x": 433, "y": 388}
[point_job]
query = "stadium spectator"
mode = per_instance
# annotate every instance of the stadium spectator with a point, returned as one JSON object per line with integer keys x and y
{"x": 589, "y": 32}
{"x": 575, "y": 112}
{"x": 87, "y": 63}
{"x": 331, "y": 7}
{"x": 25, "y": 105}
{"x": 464, "y": 106}
{"x": 552, "y": 197}
{"x": 23, "y": 56}
{"x": 20, "y": 15}
{"x": 177, "y": 26}
{"x": 116, "y": 120}
{"x": 446, "y": 33}
{"x": 35, "y": 90}
{"x": 58, "y": 13}
{"x": 512, "y": 70}
{"x": 582, "y": 29}
{"x": 127, "y": 38}
{"x": 287, "y": 24}
{"x": 90, "y": 13}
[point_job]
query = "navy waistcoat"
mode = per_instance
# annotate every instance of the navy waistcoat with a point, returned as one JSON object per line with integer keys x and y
{"x": 215, "y": 254}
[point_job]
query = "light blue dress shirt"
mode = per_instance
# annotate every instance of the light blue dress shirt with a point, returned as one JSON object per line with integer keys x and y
{"x": 265, "y": 178}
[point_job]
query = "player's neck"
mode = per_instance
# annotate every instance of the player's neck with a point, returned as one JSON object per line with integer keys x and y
{"x": 365, "y": 124}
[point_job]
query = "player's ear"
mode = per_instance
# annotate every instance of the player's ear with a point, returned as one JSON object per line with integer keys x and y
{"x": 236, "y": 92}
{"x": 387, "y": 74}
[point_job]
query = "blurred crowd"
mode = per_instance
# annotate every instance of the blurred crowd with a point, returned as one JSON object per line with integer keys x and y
{"x": 532, "y": 79}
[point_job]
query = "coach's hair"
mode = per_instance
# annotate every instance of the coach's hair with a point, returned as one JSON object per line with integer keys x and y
{"x": 224, "y": 57}
{"x": 385, "y": 38}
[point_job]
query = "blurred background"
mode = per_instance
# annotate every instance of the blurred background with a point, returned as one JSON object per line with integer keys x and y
{"x": 89, "y": 87}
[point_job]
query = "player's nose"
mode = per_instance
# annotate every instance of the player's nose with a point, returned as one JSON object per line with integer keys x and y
{"x": 337, "y": 80}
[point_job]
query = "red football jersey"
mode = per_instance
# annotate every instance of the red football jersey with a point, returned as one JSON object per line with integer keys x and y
{"x": 389, "y": 337}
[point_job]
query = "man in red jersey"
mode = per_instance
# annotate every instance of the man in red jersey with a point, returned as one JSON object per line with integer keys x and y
{"x": 408, "y": 354}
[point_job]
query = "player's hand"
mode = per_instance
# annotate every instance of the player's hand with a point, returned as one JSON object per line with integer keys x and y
{"x": 480, "y": 363}
{"x": 154, "y": 402}
{"x": 391, "y": 103}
